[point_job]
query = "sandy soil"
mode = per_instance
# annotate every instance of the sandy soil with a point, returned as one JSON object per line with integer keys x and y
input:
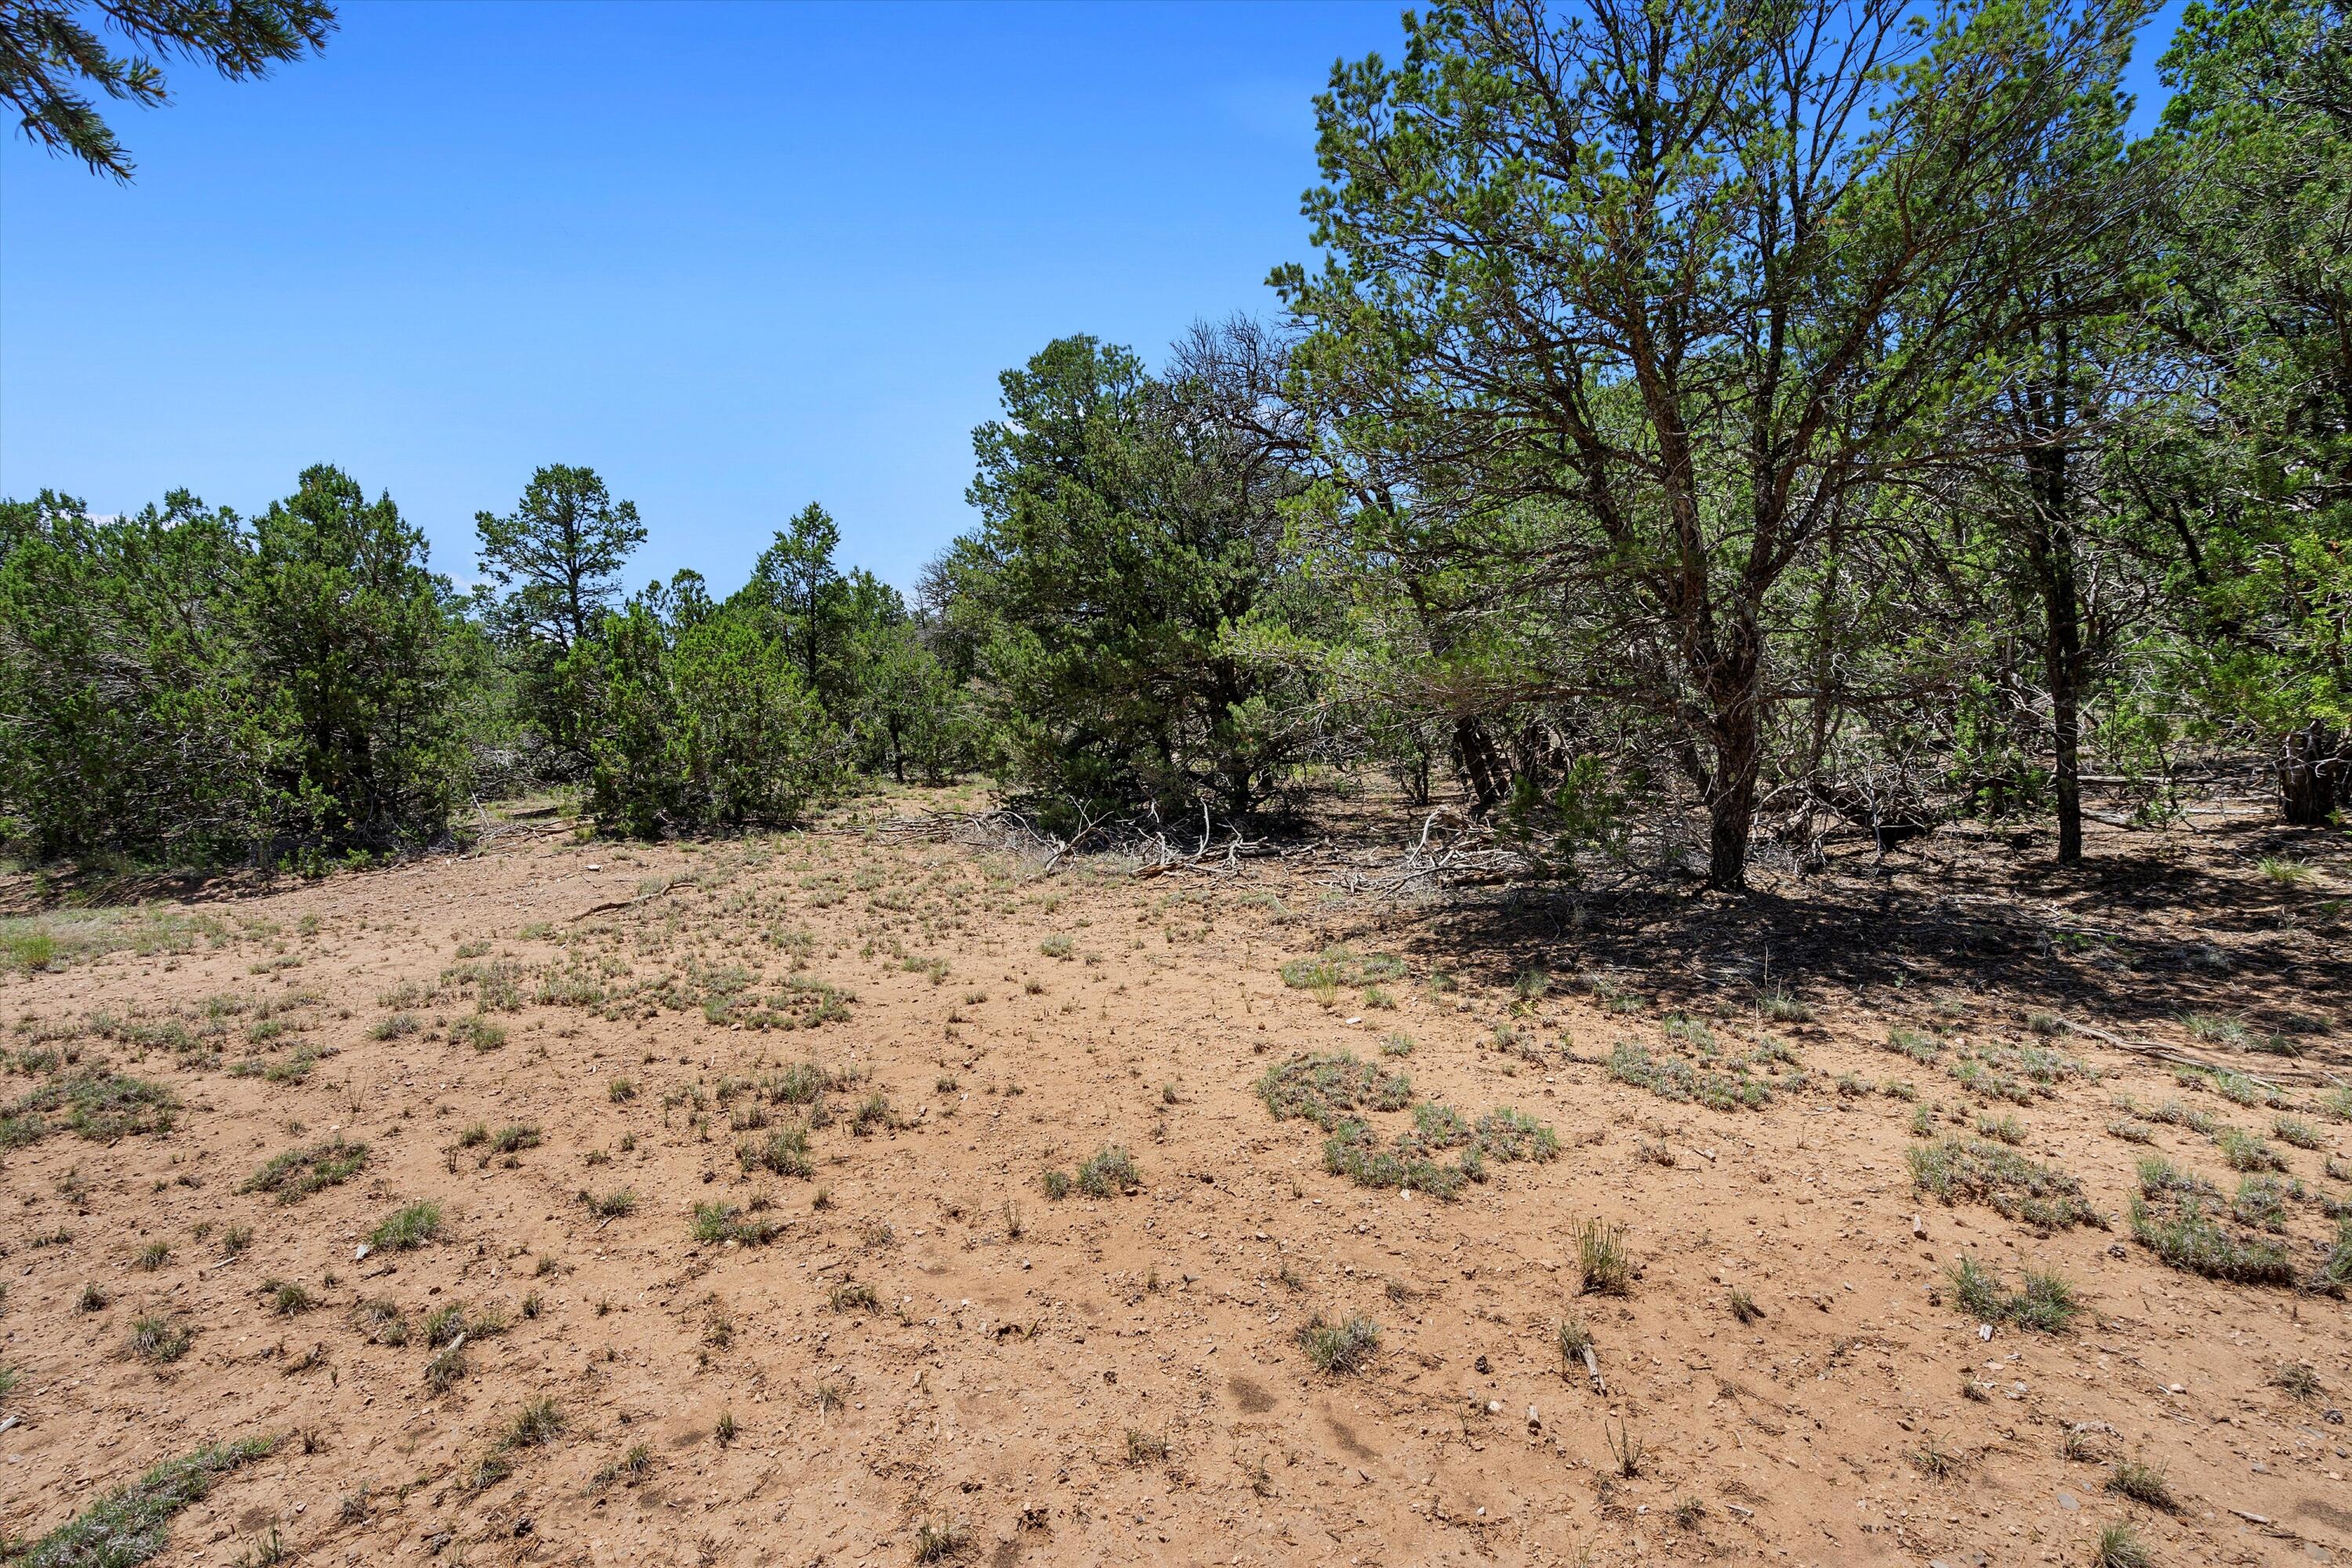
{"x": 1119, "y": 1378}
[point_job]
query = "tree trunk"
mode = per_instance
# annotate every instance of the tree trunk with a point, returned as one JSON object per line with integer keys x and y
{"x": 1739, "y": 758}
{"x": 2050, "y": 544}
{"x": 2311, "y": 773}
{"x": 1482, "y": 764}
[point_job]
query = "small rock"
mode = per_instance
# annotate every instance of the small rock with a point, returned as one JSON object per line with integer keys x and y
{"x": 2069, "y": 1501}
{"x": 358, "y": 1252}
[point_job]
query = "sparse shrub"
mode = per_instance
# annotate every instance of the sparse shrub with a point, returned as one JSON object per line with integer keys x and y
{"x": 1056, "y": 1184}
{"x": 2119, "y": 1546}
{"x": 2302, "y": 1134}
{"x": 1109, "y": 1172}
{"x": 381, "y": 1322}
{"x": 2298, "y": 1381}
{"x": 1340, "y": 1347}
{"x": 2141, "y": 1482}
{"x": 1744, "y": 1308}
{"x": 2242, "y": 1151}
{"x": 937, "y": 1540}
{"x": 160, "y": 1341}
{"x": 1605, "y": 1265}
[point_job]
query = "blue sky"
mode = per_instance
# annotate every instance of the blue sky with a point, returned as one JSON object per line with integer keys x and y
{"x": 734, "y": 256}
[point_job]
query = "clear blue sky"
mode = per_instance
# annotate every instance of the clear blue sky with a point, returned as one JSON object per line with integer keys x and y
{"x": 734, "y": 256}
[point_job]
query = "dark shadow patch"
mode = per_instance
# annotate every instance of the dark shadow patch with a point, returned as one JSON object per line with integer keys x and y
{"x": 1254, "y": 1400}
{"x": 1347, "y": 1437}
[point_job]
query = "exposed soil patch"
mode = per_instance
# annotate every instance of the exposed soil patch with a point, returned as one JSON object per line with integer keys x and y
{"x": 608, "y": 1205}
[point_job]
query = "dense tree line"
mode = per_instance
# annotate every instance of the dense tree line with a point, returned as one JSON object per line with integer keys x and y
{"x": 1769, "y": 415}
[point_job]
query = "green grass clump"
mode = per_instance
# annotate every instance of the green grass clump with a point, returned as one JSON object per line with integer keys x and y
{"x": 786, "y": 1151}
{"x": 2242, "y": 1151}
{"x": 131, "y": 1525}
{"x": 2175, "y": 1214}
{"x": 725, "y": 1221}
{"x": 2119, "y": 1546}
{"x": 2007, "y": 1182}
{"x": 2294, "y": 1131}
{"x": 476, "y": 1030}
{"x": 1354, "y": 1151}
{"x": 1506, "y": 1134}
{"x": 1918, "y": 1044}
{"x": 410, "y": 1229}
{"x": 159, "y": 1340}
{"x": 1602, "y": 1259}
{"x": 100, "y": 1105}
{"x": 1340, "y": 1347}
{"x": 1110, "y": 1171}
{"x": 297, "y": 1173}
{"x": 1705, "y": 1074}
{"x": 2260, "y": 1202}
{"x": 2335, "y": 1274}
{"x": 2141, "y": 1482}
{"x": 1327, "y": 1089}
{"x": 1336, "y": 966}
{"x": 2046, "y": 1304}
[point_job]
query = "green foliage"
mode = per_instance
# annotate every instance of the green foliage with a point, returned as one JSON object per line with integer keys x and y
{"x": 1601, "y": 367}
{"x": 696, "y": 724}
{"x": 559, "y": 556}
{"x": 182, "y": 687}
{"x": 1130, "y": 522}
{"x": 52, "y": 52}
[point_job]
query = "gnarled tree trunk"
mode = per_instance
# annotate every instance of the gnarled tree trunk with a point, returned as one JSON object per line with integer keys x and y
{"x": 2312, "y": 773}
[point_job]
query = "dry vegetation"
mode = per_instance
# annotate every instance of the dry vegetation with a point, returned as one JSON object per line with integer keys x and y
{"x": 859, "y": 1197}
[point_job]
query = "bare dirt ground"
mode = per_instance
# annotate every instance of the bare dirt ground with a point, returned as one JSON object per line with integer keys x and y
{"x": 895, "y": 1341}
